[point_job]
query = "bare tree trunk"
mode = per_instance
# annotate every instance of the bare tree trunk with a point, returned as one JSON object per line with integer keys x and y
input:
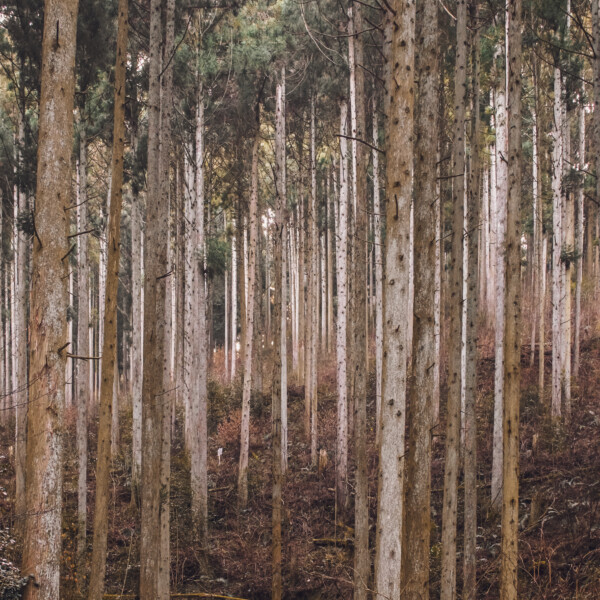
{"x": 378, "y": 274}
{"x": 278, "y": 335}
{"x": 362, "y": 560}
{"x": 152, "y": 574}
{"x": 579, "y": 228}
{"x": 557, "y": 244}
{"x": 198, "y": 431}
{"x": 82, "y": 366}
{"x": 399, "y": 105}
{"x": 234, "y": 272}
{"x": 416, "y": 519}
{"x": 249, "y": 334}
{"x": 500, "y": 220}
{"x": 472, "y": 307}
{"x": 330, "y": 233}
{"x": 109, "y": 351}
{"x": 48, "y": 323}
{"x": 512, "y": 341}
{"x": 451, "y": 465}
{"x": 341, "y": 455}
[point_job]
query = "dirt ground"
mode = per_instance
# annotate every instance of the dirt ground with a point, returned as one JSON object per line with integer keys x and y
{"x": 559, "y": 507}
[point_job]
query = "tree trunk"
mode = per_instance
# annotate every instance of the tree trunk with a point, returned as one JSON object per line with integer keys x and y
{"x": 500, "y": 220}
{"x": 472, "y": 307}
{"x": 512, "y": 341}
{"x": 109, "y": 351}
{"x": 234, "y": 273}
{"x": 399, "y": 105}
{"x": 416, "y": 528}
{"x": 278, "y": 336}
{"x": 341, "y": 454}
{"x": 362, "y": 561}
{"x": 451, "y": 465}
{"x": 48, "y": 323}
{"x": 579, "y": 228}
{"x": 249, "y": 334}
{"x": 152, "y": 574}
{"x": 82, "y": 366}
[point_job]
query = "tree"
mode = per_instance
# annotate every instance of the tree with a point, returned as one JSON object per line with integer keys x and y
{"x": 109, "y": 351}
{"x": 48, "y": 324}
{"x": 399, "y": 104}
{"x": 512, "y": 340}
{"x": 416, "y": 519}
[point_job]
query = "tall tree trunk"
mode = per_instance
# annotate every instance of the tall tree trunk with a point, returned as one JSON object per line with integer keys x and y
{"x": 579, "y": 228}
{"x": 500, "y": 221}
{"x": 451, "y": 465}
{"x": 378, "y": 274}
{"x": 472, "y": 307}
{"x": 362, "y": 561}
{"x": 278, "y": 320}
{"x": 512, "y": 341}
{"x": 198, "y": 431}
{"x": 341, "y": 454}
{"x": 557, "y": 246}
{"x": 109, "y": 351}
{"x": 21, "y": 395}
{"x": 249, "y": 334}
{"x": 82, "y": 366}
{"x": 48, "y": 323}
{"x": 152, "y": 574}
{"x": 399, "y": 105}
{"x": 234, "y": 273}
{"x": 416, "y": 519}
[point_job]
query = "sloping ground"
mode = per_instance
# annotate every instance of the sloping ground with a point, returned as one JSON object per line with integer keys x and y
{"x": 560, "y": 501}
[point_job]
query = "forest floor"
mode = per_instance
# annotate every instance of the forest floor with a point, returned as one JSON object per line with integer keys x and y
{"x": 559, "y": 508}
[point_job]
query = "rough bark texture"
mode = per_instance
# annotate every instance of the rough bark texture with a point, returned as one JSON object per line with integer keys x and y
{"x": 417, "y": 527}
{"x": 155, "y": 281}
{"x": 276, "y": 390}
{"x": 247, "y": 386}
{"x": 451, "y": 465}
{"x": 109, "y": 351}
{"x": 341, "y": 455}
{"x": 399, "y": 103}
{"x": 512, "y": 341}
{"x": 362, "y": 561}
{"x": 83, "y": 366}
{"x": 579, "y": 228}
{"x": 472, "y": 305}
{"x": 48, "y": 322}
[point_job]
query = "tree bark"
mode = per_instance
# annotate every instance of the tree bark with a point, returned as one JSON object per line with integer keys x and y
{"x": 416, "y": 528}
{"x": 399, "y": 105}
{"x": 249, "y": 335}
{"x": 48, "y": 323}
{"x": 109, "y": 351}
{"x": 512, "y": 341}
{"x": 341, "y": 455}
{"x": 451, "y": 465}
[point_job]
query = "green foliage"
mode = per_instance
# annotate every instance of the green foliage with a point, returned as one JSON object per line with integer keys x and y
{"x": 218, "y": 252}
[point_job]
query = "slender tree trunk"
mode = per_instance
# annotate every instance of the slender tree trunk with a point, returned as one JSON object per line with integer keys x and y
{"x": 82, "y": 366}
{"x": 579, "y": 228}
{"x": 21, "y": 395}
{"x": 557, "y": 244}
{"x": 152, "y": 574}
{"x": 109, "y": 351}
{"x": 416, "y": 528}
{"x": 247, "y": 389}
{"x": 341, "y": 455}
{"x": 451, "y": 465}
{"x": 399, "y": 105}
{"x": 472, "y": 307}
{"x": 378, "y": 274}
{"x": 48, "y": 323}
{"x": 500, "y": 220}
{"x": 198, "y": 432}
{"x": 512, "y": 351}
{"x": 330, "y": 234}
{"x": 278, "y": 320}
{"x": 234, "y": 272}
